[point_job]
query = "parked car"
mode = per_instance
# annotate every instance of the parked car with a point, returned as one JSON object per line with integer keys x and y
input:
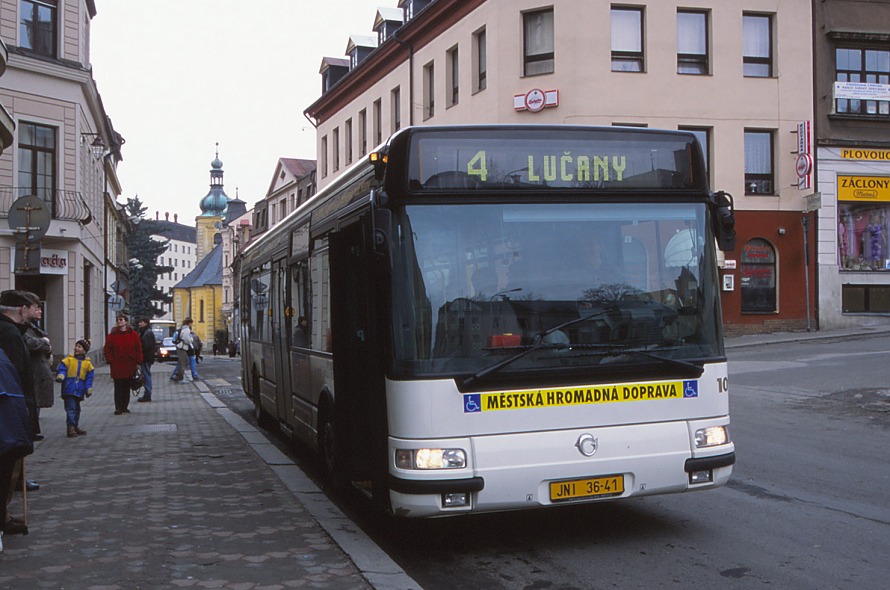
{"x": 166, "y": 350}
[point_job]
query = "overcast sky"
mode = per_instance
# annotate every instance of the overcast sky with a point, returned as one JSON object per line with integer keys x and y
{"x": 177, "y": 77}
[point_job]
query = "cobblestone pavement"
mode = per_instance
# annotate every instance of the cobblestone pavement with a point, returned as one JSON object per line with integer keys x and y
{"x": 179, "y": 493}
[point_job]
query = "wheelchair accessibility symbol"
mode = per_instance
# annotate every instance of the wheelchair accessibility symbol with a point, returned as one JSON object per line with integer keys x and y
{"x": 690, "y": 389}
{"x": 472, "y": 403}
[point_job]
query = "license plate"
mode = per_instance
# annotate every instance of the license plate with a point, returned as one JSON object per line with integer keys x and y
{"x": 575, "y": 489}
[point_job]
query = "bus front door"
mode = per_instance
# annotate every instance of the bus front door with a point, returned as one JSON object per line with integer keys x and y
{"x": 357, "y": 345}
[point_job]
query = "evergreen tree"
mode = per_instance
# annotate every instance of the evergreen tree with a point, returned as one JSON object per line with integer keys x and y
{"x": 144, "y": 267}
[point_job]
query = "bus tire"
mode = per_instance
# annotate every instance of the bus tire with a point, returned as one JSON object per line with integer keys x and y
{"x": 328, "y": 450}
{"x": 263, "y": 418}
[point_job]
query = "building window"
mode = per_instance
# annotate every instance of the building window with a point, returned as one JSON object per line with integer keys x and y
{"x": 758, "y": 277}
{"x": 378, "y": 122}
{"x": 429, "y": 90}
{"x": 537, "y": 29}
{"x": 324, "y": 156}
{"x": 480, "y": 61}
{"x": 703, "y": 135}
{"x": 37, "y": 161}
{"x": 452, "y": 83}
{"x": 861, "y": 228}
{"x": 759, "y": 175}
{"x": 692, "y": 43}
{"x": 347, "y": 147}
{"x": 757, "y": 45}
{"x": 362, "y": 132}
{"x": 37, "y": 30}
{"x": 862, "y": 65}
{"x": 865, "y": 298}
{"x": 627, "y": 40}
{"x": 395, "y": 99}
{"x": 335, "y": 149}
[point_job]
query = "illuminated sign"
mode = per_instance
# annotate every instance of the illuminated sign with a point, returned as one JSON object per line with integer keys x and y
{"x": 863, "y": 188}
{"x": 579, "y": 396}
{"x": 591, "y": 159}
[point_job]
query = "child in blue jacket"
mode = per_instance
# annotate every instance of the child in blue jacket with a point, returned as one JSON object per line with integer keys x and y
{"x": 75, "y": 373}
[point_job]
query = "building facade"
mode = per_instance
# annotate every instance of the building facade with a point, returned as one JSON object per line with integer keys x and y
{"x": 181, "y": 254}
{"x": 852, "y": 144}
{"x": 65, "y": 154}
{"x": 738, "y": 75}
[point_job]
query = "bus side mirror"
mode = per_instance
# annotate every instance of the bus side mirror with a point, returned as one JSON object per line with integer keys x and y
{"x": 723, "y": 216}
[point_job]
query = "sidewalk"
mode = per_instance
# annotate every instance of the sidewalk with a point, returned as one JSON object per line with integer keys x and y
{"x": 179, "y": 493}
{"x": 783, "y": 337}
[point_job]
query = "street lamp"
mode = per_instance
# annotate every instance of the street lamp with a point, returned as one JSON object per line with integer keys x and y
{"x": 97, "y": 146}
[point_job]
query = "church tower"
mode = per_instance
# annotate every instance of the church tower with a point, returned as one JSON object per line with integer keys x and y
{"x": 213, "y": 210}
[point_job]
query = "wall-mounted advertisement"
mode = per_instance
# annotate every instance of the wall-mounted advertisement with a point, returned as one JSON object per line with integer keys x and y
{"x": 863, "y": 214}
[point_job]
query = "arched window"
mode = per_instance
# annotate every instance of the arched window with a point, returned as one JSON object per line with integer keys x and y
{"x": 758, "y": 277}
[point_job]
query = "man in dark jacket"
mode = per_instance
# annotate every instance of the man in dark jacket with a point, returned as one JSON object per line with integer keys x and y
{"x": 149, "y": 349}
{"x": 13, "y": 306}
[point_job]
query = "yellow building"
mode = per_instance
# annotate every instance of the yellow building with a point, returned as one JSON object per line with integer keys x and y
{"x": 200, "y": 294}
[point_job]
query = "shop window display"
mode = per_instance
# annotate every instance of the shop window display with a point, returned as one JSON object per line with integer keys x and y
{"x": 862, "y": 237}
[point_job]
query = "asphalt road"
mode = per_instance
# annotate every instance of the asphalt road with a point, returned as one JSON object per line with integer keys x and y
{"x": 806, "y": 508}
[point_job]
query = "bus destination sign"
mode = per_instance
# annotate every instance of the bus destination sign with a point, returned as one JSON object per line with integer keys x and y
{"x": 440, "y": 162}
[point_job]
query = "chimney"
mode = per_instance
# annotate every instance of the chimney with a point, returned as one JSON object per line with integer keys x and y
{"x": 157, "y": 215}
{"x": 166, "y": 216}
{"x": 176, "y": 218}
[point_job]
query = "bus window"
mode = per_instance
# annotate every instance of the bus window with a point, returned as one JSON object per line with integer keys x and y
{"x": 299, "y": 292}
{"x": 320, "y": 326}
{"x": 260, "y": 283}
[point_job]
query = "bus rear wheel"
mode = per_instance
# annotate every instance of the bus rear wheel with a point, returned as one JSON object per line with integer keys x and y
{"x": 263, "y": 418}
{"x": 328, "y": 448}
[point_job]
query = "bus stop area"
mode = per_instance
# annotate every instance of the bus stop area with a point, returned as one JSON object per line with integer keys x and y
{"x": 179, "y": 493}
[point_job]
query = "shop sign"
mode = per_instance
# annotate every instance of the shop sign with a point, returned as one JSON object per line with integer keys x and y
{"x": 804, "y": 159}
{"x": 861, "y": 91}
{"x": 863, "y": 188}
{"x": 536, "y": 100}
{"x": 53, "y": 262}
{"x": 865, "y": 154}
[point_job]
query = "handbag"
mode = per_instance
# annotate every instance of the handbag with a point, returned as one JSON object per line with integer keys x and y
{"x": 137, "y": 381}
{"x": 15, "y": 429}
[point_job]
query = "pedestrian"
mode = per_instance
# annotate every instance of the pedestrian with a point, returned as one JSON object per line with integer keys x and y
{"x": 16, "y": 379}
{"x": 75, "y": 373}
{"x": 41, "y": 352}
{"x": 149, "y": 348}
{"x": 123, "y": 351}
{"x": 185, "y": 351}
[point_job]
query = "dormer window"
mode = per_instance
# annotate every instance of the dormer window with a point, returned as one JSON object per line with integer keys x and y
{"x": 386, "y": 23}
{"x": 359, "y": 48}
{"x": 410, "y": 8}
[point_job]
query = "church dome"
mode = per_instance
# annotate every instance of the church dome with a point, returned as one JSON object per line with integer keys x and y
{"x": 216, "y": 202}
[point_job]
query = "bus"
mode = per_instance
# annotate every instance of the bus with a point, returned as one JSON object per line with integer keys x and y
{"x": 490, "y": 318}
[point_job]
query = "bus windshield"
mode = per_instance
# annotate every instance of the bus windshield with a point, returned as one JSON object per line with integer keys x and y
{"x": 542, "y": 287}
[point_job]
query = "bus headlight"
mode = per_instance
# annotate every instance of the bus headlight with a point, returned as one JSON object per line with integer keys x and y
{"x": 431, "y": 458}
{"x": 711, "y": 436}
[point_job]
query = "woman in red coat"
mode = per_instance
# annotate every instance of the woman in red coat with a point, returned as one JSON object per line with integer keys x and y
{"x": 123, "y": 351}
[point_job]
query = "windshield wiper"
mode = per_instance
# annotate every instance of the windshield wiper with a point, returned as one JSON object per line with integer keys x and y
{"x": 537, "y": 344}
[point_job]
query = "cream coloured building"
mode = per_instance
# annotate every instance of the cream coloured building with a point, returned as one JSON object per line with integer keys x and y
{"x": 738, "y": 74}
{"x": 65, "y": 152}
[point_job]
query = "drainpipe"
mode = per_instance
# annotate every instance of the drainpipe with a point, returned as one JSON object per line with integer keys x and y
{"x": 410, "y": 49}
